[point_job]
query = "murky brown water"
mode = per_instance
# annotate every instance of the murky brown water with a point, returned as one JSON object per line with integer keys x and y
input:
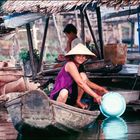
{"x": 125, "y": 127}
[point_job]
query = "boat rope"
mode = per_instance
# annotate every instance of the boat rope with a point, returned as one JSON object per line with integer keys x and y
{"x": 2, "y": 101}
{"x": 135, "y": 82}
{"x": 137, "y": 76}
{"x": 18, "y": 96}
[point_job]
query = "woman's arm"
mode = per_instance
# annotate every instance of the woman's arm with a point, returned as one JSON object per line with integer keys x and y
{"x": 68, "y": 47}
{"x": 73, "y": 71}
{"x": 92, "y": 85}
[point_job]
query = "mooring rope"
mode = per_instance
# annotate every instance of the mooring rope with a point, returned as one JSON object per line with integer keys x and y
{"x": 135, "y": 82}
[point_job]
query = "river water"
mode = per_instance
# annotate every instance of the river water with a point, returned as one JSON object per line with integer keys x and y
{"x": 125, "y": 127}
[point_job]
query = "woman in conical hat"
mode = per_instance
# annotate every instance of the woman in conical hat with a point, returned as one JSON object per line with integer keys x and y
{"x": 69, "y": 74}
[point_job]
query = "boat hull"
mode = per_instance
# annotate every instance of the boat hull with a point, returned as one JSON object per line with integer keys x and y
{"x": 34, "y": 111}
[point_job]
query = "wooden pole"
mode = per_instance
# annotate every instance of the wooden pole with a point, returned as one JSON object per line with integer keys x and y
{"x": 100, "y": 30}
{"x": 82, "y": 27}
{"x": 31, "y": 50}
{"x": 92, "y": 34}
{"x": 132, "y": 34}
{"x": 138, "y": 15}
{"x": 43, "y": 45}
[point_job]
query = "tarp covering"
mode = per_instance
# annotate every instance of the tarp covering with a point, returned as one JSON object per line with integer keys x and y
{"x": 18, "y": 19}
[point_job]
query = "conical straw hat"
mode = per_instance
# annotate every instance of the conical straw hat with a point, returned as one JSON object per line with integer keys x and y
{"x": 80, "y": 49}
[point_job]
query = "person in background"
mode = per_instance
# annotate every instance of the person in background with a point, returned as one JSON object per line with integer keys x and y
{"x": 71, "y": 33}
{"x": 112, "y": 39}
{"x": 69, "y": 74}
{"x": 72, "y": 39}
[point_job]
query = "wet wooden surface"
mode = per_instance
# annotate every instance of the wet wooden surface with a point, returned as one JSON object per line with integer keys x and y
{"x": 7, "y": 131}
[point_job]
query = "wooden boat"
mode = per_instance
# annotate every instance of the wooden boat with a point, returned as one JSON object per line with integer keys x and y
{"x": 100, "y": 66}
{"x": 35, "y": 112}
{"x": 129, "y": 95}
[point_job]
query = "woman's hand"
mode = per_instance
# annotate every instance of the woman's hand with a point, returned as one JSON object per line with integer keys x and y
{"x": 98, "y": 99}
{"x": 61, "y": 57}
{"x": 103, "y": 91}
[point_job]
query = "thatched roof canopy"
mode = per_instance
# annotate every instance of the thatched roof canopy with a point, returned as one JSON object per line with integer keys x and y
{"x": 44, "y": 6}
{"x": 55, "y": 6}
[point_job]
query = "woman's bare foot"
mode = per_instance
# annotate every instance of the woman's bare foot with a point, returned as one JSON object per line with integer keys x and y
{"x": 3, "y": 98}
{"x": 81, "y": 105}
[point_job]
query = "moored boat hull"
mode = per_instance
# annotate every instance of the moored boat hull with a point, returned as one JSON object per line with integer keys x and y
{"x": 34, "y": 111}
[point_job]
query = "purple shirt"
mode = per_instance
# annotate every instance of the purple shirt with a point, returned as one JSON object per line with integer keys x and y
{"x": 62, "y": 81}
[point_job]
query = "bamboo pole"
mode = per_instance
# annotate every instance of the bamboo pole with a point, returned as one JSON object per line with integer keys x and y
{"x": 92, "y": 34}
{"x": 99, "y": 21}
{"x": 43, "y": 45}
{"x": 82, "y": 27}
{"x": 31, "y": 50}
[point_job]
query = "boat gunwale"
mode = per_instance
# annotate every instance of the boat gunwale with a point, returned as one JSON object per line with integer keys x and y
{"x": 53, "y": 103}
{"x": 76, "y": 109}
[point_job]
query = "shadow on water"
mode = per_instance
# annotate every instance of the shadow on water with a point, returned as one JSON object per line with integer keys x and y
{"x": 37, "y": 134}
{"x": 21, "y": 137}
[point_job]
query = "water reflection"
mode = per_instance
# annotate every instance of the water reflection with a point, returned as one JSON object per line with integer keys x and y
{"x": 114, "y": 128}
{"x": 127, "y": 127}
